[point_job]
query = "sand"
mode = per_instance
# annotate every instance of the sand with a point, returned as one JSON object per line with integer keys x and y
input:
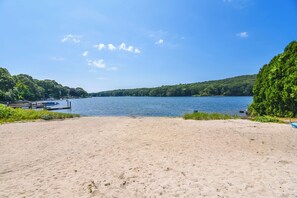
{"x": 147, "y": 157}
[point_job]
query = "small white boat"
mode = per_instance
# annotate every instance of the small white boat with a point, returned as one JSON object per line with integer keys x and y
{"x": 50, "y": 103}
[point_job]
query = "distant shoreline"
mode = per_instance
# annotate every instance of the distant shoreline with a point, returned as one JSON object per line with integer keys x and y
{"x": 175, "y": 96}
{"x": 235, "y": 86}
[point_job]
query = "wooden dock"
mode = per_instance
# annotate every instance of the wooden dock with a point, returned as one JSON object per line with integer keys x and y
{"x": 38, "y": 105}
{"x": 24, "y": 105}
{"x": 56, "y": 108}
{"x": 59, "y": 107}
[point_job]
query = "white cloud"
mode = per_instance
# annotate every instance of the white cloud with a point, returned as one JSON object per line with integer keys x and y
{"x": 159, "y": 42}
{"x": 128, "y": 49}
{"x": 57, "y": 58}
{"x": 137, "y": 51}
{"x": 243, "y": 34}
{"x": 97, "y": 63}
{"x": 71, "y": 38}
{"x": 85, "y": 53}
{"x": 100, "y": 46}
{"x": 100, "y": 64}
{"x": 121, "y": 47}
{"x": 111, "y": 47}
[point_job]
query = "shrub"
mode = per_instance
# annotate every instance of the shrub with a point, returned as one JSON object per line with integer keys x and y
{"x": 8, "y": 114}
{"x": 209, "y": 116}
{"x": 266, "y": 119}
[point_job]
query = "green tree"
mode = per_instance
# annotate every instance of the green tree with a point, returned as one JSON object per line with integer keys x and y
{"x": 34, "y": 91}
{"x": 275, "y": 90}
{"x": 21, "y": 91}
{"x": 6, "y": 80}
{"x": 24, "y": 87}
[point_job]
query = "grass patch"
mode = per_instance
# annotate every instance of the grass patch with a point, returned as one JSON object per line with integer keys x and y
{"x": 208, "y": 116}
{"x": 266, "y": 119}
{"x": 8, "y": 114}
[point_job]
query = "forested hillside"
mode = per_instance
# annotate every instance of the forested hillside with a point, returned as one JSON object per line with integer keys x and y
{"x": 24, "y": 87}
{"x": 236, "y": 86}
{"x": 275, "y": 90}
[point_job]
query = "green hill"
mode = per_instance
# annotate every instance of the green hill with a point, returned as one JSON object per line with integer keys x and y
{"x": 236, "y": 86}
{"x": 24, "y": 87}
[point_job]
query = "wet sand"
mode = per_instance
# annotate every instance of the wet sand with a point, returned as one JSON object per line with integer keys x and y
{"x": 147, "y": 157}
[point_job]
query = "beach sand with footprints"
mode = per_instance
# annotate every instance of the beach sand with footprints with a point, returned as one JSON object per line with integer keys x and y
{"x": 147, "y": 157}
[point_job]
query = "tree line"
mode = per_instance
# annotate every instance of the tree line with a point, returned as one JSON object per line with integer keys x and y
{"x": 236, "y": 86}
{"x": 24, "y": 87}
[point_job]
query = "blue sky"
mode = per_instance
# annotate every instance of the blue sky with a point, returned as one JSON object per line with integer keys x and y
{"x": 110, "y": 44}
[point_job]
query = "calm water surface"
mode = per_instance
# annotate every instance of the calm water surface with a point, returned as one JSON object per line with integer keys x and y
{"x": 155, "y": 106}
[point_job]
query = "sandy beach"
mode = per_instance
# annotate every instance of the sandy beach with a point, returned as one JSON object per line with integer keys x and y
{"x": 147, "y": 157}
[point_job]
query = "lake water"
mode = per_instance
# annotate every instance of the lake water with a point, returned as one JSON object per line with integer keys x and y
{"x": 155, "y": 106}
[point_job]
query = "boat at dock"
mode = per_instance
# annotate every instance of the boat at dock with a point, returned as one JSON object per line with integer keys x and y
{"x": 47, "y": 105}
{"x": 57, "y": 108}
